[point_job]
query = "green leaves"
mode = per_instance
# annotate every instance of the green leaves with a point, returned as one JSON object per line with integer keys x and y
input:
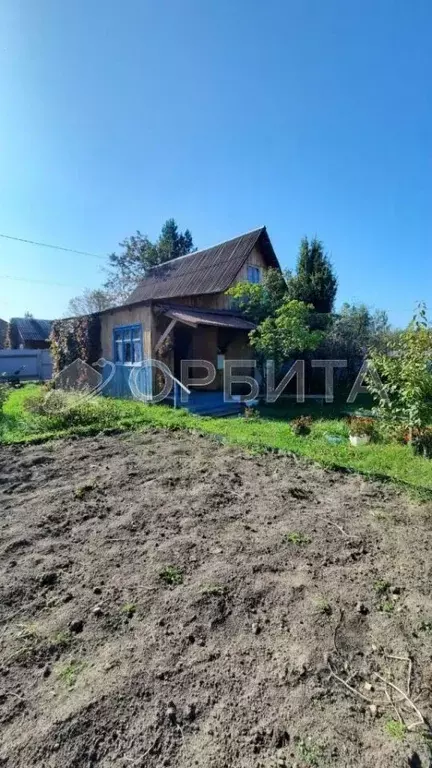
{"x": 407, "y": 376}
{"x": 287, "y": 332}
{"x": 259, "y": 300}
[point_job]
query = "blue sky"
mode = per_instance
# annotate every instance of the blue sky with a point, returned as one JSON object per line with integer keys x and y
{"x": 309, "y": 116}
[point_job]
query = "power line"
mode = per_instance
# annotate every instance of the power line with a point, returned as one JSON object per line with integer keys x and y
{"x": 40, "y": 282}
{"x": 55, "y": 247}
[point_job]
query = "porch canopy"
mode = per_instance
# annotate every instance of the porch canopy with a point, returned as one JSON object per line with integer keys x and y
{"x": 194, "y": 317}
{"x": 219, "y": 317}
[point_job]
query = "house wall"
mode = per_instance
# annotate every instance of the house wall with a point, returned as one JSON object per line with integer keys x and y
{"x": 255, "y": 259}
{"x": 142, "y": 315}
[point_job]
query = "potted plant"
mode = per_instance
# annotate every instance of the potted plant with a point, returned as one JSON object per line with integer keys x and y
{"x": 422, "y": 442}
{"x": 361, "y": 430}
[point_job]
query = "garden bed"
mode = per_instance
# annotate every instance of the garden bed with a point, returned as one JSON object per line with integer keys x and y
{"x": 170, "y": 601}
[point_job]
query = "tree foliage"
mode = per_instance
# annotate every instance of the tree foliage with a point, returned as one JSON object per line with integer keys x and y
{"x": 283, "y": 324}
{"x": 354, "y": 330}
{"x": 139, "y": 254}
{"x": 286, "y": 332}
{"x": 405, "y": 371}
{"x": 314, "y": 281}
{"x": 90, "y": 301}
{"x": 257, "y": 301}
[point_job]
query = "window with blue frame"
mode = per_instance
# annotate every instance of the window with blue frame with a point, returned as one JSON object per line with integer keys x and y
{"x": 127, "y": 340}
{"x": 254, "y": 274}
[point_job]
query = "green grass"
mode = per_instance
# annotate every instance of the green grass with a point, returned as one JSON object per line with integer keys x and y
{"x": 270, "y": 432}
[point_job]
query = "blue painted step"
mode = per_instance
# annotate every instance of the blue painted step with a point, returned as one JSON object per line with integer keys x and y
{"x": 208, "y": 404}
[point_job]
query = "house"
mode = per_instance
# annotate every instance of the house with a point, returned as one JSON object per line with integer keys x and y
{"x": 29, "y": 333}
{"x": 180, "y": 311}
{"x": 3, "y": 333}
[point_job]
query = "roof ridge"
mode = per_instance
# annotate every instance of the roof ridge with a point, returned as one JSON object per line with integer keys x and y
{"x": 209, "y": 248}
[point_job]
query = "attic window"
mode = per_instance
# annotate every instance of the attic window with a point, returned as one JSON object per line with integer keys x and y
{"x": 254, "y": 274}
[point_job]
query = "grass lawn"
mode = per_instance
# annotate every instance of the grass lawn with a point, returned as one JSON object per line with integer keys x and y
{"x": 270, "y": 432}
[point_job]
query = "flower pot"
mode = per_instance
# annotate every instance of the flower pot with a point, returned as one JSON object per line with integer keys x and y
{"x": 359, "y": 439}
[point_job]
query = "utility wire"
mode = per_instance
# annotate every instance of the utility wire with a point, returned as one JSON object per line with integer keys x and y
{"x": 40, "y": 282}
{"x": 55, "y": 247}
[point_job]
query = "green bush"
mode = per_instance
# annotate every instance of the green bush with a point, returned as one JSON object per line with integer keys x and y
{"x": 64, "y": 410}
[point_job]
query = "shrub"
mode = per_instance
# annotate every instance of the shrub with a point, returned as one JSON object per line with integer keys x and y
{"x": 361, "y": 425}
{"x": 401, "y": 380}
{"x": 302, "y": 425}
{"x": 75, "y": 339}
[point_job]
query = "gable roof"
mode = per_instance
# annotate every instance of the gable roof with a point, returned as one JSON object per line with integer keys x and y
{"x": 30, "y": 329}
{"x": 209, "y": 271}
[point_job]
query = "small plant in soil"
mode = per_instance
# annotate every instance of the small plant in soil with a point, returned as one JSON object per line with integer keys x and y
{"x": 311, "y": 754}
{"x": 82, "y": 490}
{"x": 396, "y": 729}
{"x": 302, "y": 425}
{"x": 171, "y": 575}
{"x": 387, "y": 606}
{"x": 62, "y": 639}
{"x": 381, "y": 587}
{"x": 129, "y": 610}
{"x": 218, "y": 590}
{"x": 69, "y": 673}
{"x": 297, "y": 538}
{"x": 323, "y": 606}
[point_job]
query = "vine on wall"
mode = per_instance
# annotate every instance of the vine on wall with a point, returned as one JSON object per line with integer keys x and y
{"x": 73, "y": 339}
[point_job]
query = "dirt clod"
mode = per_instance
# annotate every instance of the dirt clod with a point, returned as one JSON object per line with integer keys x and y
{"x": 76, "y": 625}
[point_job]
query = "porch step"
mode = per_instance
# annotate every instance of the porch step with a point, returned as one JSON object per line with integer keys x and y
{"x": 225, "y": 409}
{"x": 208, "y": 406}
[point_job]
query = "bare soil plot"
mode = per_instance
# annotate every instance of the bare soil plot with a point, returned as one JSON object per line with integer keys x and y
{"x": 169, "y": 601}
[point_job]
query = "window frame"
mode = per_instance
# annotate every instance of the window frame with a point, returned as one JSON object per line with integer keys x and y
{"x": 128, "y": 335}
{"x": 253, "y": 270}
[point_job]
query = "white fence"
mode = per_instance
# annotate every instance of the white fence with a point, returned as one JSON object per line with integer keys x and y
{"x": 36, "y": 363}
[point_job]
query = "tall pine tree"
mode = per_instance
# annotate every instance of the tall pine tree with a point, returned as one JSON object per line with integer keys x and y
{"x": 314, "y": 281}
{"x": 139, "y": 254}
